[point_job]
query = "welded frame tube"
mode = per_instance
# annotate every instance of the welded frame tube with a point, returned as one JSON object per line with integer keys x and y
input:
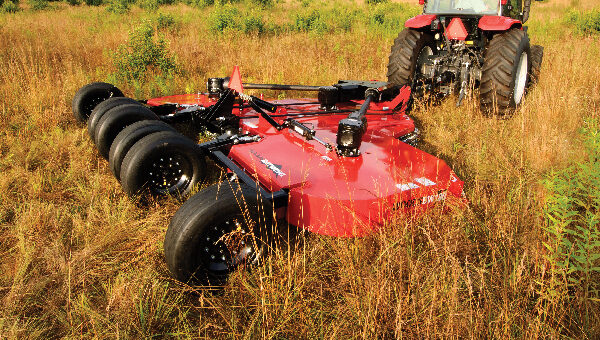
{"x": 252, "y": 86}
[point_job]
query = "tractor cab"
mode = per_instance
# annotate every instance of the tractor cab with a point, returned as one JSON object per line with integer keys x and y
{"x": 463, "y": 7}
{"x": 516, "y": 9}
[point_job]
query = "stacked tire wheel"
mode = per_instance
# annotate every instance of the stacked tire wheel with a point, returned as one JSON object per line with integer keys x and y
{"x": 217, "y": 230}
{"x": 148, "y": 156}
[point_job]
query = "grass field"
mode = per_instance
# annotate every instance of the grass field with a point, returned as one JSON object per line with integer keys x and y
{"x": 80, "y": 259}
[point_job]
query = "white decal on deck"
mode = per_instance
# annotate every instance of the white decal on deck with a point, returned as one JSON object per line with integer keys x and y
{"x": 424, "y": 181}
{"x": 275, "y": 168}
{"x": 407, "y": 186}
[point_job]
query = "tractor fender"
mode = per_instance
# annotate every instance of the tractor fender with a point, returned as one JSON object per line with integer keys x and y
{"x": 420, "y": 21}
{"x": 498, "y": 23}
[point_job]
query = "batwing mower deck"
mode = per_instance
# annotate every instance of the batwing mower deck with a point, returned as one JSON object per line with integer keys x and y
{"x": 341, "y": 165}
{"x": 330, "y": 193}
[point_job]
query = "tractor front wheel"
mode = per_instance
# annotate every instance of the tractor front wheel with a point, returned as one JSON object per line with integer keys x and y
{"x": 214, "y": 232}
{"x": 505, "y": 72}
{"x": 410, "y": 51}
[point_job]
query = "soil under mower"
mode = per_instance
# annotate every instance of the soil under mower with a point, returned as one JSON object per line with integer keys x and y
{"x": 340, "y": 164}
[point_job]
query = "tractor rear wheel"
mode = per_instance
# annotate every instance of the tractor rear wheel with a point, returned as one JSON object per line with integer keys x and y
{"x": 162, "y": 164}
{"x": 537, "y": 55}
{"x": 87, "y": 97}
{"x": 115, "y": 120}
{"x": 505, "y": 72}
{"x": 409, "y": 52}
{"x": 128, "y": 137}
{"x": 217, "y": 230}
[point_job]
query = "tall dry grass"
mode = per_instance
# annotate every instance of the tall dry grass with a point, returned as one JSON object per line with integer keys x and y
{"x": 80, "y": 259}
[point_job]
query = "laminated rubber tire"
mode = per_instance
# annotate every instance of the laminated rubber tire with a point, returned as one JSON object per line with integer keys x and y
{"x": 89, "y": 96}
{"x": 505, "y": 72}
{"x": 162, "y": 164}
{"x": 537, "y": 55}
{"x": 128, "y": 137}
{"x": 410, "y": 49}
{"x": 104, "y": 107}
{"x": 115, "y": 120}
{"x": 216, "y": 231}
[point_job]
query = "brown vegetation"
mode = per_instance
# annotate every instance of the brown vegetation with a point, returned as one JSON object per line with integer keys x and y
{"x": 80, "y": 259}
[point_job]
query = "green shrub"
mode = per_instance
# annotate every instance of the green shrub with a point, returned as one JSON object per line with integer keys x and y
{"x": 118, "y": 6}
{"x": 199, "y": 3}
{"x": 346, "y": 20}
{"x": 310, "y": 21}
{"x": 254, "y": 24}
{"x": 224, "y": 18}
{"x": 166, "y": 22}
{"x": 8, "y": 6}
{"x": 572, "y": 212}
{"x": 38, "y": 5}
{"x": 143, "y": 55}
{"x": 262, "y": 3}
{"x": 93, "y": 2}
{"x": 149, "y": 5}
{"x": 390, "y": 17}
{"x": 74, "y": 2}
{"x": 153, "y": 5}
{"x": 585, "y": 22}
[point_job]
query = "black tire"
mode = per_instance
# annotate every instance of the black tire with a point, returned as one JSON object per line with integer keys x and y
{"x": 537, "y": 55}
{"x": 409, "y": 49}
{"x": 503, "y": 79}
{"x": 215, "y": 231}
{"x": 87, "y": 97}
{"x": 104, "y": 107}
{"x": 128, "y": 137}
{"x": 115, "y": 120}
{"x": 162, "y": 164}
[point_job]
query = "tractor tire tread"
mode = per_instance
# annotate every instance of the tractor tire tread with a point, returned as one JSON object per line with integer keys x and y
{"x": 496, "y": 87}
{"x": 403, "y": 56}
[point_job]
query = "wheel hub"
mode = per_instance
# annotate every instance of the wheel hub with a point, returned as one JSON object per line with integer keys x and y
{"x": 167, "y": 174}
{"x": 520, "y": 79}
{"x": 226, "y": 246}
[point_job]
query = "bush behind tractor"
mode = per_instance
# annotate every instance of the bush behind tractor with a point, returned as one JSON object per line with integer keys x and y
{"x": 456, "y": 45}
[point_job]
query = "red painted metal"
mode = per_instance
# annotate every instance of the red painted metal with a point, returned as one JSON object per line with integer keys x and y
{"x": 498, "y": 23}
{"x": 420, "y": 21}
{"x": 235, "y": 81}
{"x": 456, "y": 30}
{"x": 334, "y": 195}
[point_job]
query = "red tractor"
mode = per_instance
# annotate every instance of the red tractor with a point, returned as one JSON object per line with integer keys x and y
{"x": 456, "y": 45}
